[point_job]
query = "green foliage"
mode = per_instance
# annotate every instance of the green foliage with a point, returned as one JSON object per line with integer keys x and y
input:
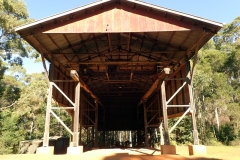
{"x": 225, "y": 134}
{"x": 10, "y": 133}
{"x": 216, "y": 86}
{"x": 182, "y": 134}
{"x": 21, "y": 112}
{"x": 13, "y": 13}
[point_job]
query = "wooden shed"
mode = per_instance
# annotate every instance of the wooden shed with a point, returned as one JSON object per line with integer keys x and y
{"x": 120, "y": 64}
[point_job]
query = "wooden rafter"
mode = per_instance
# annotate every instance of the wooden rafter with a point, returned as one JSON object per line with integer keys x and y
{"x": 69, "y": 43}
{"x": 121, "y": 62}
{"x": 109, "y": 42}
{"x": 187, "y": 37}
{"x": 129, "y": 42}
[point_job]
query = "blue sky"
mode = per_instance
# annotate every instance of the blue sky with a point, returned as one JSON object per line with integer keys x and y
{"x": 224, "y": 11}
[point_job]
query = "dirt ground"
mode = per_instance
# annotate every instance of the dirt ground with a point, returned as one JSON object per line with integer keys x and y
{"x": 107, "y": 154}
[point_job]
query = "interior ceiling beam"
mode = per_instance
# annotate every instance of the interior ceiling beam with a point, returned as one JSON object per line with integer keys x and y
{"x": 109, "y": 42}
{"x": 129, "y": 41}
{"x": 80, "y": 43}
{"x": 143, "y": 38}
{"x": 163, "y": 75}
{"x": 121, "y": 62}
{"x": 154, "y": 41}
{"x": 98, "y": 52}
{"x": 183, "y": 42}
{"x": 158, "y": 42}
{"x": 83, "y": 84}
{"x": 121, "y": 81}
{"x": 83, "y": 44}
{"x": 169, "y": 41}
{"x": 117, "y": 92}
{"x": 53, "y": 42}
{"x": 69, "y": 43}
{"x": 132, "y": 52}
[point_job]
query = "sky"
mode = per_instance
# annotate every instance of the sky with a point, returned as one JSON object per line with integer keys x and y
{"x": 224, "y": 11}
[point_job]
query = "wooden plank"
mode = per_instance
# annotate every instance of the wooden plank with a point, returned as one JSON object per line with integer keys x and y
{"x": 175, "y": 99}
{"x": 180, "y": 94}
{"x": 114, "y": 16}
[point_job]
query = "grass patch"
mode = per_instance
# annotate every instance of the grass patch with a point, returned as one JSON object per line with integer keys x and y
{"x": 218, "y": 152}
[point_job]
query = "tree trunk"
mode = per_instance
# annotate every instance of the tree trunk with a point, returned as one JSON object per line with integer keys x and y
{"x": 216, "y": 116}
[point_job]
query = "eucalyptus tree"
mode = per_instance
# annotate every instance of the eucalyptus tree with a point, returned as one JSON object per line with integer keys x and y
{"x": 216, "y": 83}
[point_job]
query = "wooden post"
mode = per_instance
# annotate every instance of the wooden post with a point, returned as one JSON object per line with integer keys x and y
{"x": 104, "y": 132}
{"x": 96, "y": 125}
{"x": 76, "y": 115}
{"x": 165, "y": 116}
{"x": 81, "y": 121}
{"x": 47, "y": 119}
{"x": 49, "y": 101}
{"x": 192, "y": 106}
{"x": 145, "y": 124}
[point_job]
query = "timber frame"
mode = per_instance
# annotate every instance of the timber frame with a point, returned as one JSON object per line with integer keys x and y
{"x": 109, "y": 63}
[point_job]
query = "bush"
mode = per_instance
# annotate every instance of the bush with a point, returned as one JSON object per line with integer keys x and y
{"x": 235, "y": 142}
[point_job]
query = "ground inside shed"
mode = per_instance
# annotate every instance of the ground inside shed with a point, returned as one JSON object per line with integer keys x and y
{"x": 109, "y": 154}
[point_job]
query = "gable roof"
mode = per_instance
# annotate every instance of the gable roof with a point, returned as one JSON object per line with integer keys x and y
{"x": 166, "y": 11}
{"x": 119, "y": 42}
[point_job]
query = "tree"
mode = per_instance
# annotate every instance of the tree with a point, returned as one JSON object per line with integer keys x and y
{"x": 216, "y": 83}
{"x": 13, "y": 13}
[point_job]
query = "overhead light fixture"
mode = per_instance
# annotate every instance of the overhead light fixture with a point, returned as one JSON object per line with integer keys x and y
{"x": 85, "y": 70}
{"x": 167, "y": 70}
{"x": 74, "y": 75}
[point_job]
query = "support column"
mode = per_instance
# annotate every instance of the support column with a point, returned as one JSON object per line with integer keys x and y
{"x": 96, "y": 125}
{"x": 192, "y": 106}
{"x": 104, "y": 132}
{"x": 145, "y": 124}
{"x": 130, "y": 138}
{"x": 47, "y": 119}
{"x": 166, "y": 148}
{"x": 76, "y": 115}
{"x": 46, "y": 149}
{"x": 75, "y": 149}
{"x": 80, "y": 121}
{"x": 160, "y": 120}
{"x": 165, "y": 116}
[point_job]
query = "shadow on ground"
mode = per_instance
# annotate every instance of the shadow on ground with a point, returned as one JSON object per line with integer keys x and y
{"x": 122, "y": 156}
